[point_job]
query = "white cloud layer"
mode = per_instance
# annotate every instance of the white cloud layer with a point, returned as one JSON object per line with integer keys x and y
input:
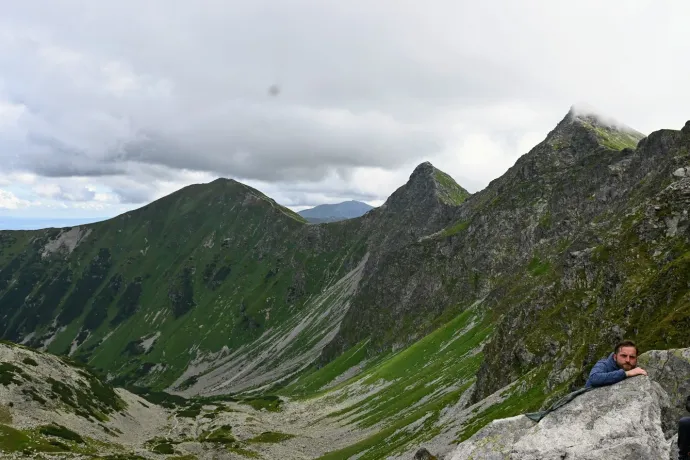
{"x": 106, "y": 106}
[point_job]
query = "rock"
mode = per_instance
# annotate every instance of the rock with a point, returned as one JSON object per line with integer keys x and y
{"x": 619, "y": 421}
{"x": 680, "y": 172}
{"x": 671, "y": 369}
{"x": 673, "y": 448}
{"x": 423, "y": 454}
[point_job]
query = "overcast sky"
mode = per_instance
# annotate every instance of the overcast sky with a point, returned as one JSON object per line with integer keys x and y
{"x": 105, "y": 106}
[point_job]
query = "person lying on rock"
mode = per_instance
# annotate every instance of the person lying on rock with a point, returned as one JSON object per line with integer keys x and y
{"x": 684, "y": 435}
{"x": 620, "y": 364}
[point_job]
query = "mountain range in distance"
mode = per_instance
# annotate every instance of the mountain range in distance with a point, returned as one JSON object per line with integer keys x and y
{"x": 335, "y": 212}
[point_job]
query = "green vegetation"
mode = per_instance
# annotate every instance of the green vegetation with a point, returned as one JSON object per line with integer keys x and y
{"x": 97, "y": 400}
{"x": 537, "y": 267}
{"x": 30, "y": 361}
{"x": 163, "y": 448}
{"x": 162, "y": 445}
{"x": 10, "y": 374}
{"x": 449, "y": 191}
{"x": 456, "y": 228}
{"x": 222, "y": 435}
{"x": 613, "y": 138}
{"x": 190, "y": 412}
{"x": 421, "y": 381}
{"x": 129, "y": 456}
{"x": 270, "y": 437}
{"x": 60, "y": 431}
{"x": 13, "y": 440}
{"x": 312, "y": 382}
{"x": 515, "y": 403}
{"x": 270, "y": 403}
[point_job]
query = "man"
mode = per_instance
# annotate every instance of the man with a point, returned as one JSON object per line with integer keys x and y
{"x": 620, "y": 364}
{"x": 684, "y": 435}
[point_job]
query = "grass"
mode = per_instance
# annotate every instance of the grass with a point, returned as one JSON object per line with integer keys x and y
{"x": 243, "y": 452}
{"x": 311, "y": 383}
{"x": 222, "y": 435}
{"x": 190, "y": 412}
{"x": 449, "y": 191}
{"x": 60, "y": 431}
{"x": 30, "y": 361}
{"x": 416, "y": 384}
{"x": 271, "y": 437}
{"x": 615, "y": 139}
{"x": 10, "y": 374}
{"x": 163, "y": 448}
{"x": 456, "y": 228}
{"x": 13, "y": 440}
{"x": 538, "y": 267}
{"x": 516, "y": 403}
{"x": 270, "y": 403}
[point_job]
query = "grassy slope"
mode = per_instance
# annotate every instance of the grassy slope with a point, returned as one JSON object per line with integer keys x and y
{"x": 220, "y": 251}
{"x": 410, "y": 387}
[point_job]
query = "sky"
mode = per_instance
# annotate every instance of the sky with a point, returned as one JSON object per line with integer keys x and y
{"x": 106, "y": 106}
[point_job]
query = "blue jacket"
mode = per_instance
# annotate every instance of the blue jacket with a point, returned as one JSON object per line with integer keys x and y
{"x": 605, "y": 372}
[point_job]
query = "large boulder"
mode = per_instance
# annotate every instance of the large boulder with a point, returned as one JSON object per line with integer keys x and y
{"x": 614, "y": 422}
{"x": 671, "y": 369}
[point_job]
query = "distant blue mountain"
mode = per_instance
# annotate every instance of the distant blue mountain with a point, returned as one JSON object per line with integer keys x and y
{"x": 335, "y": 212}
{"x": 34, "y": 223}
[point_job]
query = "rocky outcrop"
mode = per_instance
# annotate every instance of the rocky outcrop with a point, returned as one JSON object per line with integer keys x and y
{"x": 615, "y": 422}
{"x": 671, "y": 369}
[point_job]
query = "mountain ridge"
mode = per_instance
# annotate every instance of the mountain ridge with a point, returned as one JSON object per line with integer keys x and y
{"x": 583, "y": 241}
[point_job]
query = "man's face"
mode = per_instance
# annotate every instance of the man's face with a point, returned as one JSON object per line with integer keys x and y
{"x": 626, "y": 358}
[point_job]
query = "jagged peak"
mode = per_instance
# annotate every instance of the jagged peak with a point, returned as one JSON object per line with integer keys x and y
{"x": 427, "y": 182}
{"x": 608, "y": 132}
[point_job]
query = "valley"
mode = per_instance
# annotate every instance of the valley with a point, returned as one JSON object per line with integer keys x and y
{"x": 232, "y": 328}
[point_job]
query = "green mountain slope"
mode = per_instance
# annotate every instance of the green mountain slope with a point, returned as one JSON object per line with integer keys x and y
{"x": 210, "y": 278}
{"x": 208, "y": 267}
{"x": 420, "y": 321}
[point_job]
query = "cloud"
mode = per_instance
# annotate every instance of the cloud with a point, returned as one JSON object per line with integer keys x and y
{"x": 135, "y": 99}
{"x": 9, "y": 200}
{"x": 58, "y": 192}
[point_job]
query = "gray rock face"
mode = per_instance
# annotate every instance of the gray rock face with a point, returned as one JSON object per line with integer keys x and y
{"x": 671, "y": 369}
{"x": 615, "y": 422}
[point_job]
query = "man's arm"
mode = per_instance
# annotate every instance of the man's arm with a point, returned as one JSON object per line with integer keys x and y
{"x": 598, "y": 377}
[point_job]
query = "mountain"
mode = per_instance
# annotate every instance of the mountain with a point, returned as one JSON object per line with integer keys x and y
{"x": 335, "y": 212}
{"x": 386, "y": 327}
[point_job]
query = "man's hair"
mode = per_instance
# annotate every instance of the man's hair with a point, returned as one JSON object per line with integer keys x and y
{"x": 626, "y": 343}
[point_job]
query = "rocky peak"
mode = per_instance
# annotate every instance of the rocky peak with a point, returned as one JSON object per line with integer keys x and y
{"x": 582, "y": 127}
{"x": 426, "y": 187}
